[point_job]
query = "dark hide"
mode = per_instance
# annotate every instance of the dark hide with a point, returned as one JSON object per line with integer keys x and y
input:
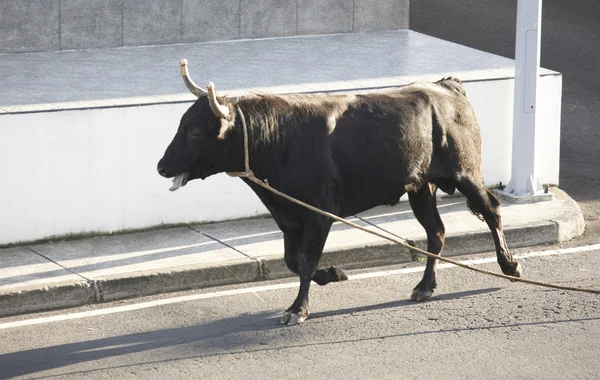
{"x": 346, "y": 154}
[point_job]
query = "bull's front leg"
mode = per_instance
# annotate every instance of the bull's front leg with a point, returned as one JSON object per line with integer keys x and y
{"x": 302, "y": 254}
{"x": 298, "y": 312}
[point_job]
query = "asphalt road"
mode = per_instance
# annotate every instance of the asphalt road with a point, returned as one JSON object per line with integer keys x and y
{"x": 570, "y": 45}
{"x": 476, "y": 327}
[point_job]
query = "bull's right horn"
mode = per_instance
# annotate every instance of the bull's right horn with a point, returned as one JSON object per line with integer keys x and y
{"x": 220, "y": 110}
{"x": 189, "y": 83}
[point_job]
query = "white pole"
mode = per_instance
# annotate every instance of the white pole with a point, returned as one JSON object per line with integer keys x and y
{"x": 525, "y": 126}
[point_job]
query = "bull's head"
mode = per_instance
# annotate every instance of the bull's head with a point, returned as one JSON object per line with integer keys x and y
{"x": 198, "y": 149}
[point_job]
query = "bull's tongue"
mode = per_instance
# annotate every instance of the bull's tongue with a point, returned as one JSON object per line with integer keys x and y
{"x": 178, "y": 181}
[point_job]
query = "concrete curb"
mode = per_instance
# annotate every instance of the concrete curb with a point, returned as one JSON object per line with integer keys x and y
{"x": 57, "y": 296}
{"x": 80, "y": 293}
{"x": 235, "y": 272}
{"x": 571, "y": 223}
{"x": 178, "y": 279}
{"x": 391, "y": 254}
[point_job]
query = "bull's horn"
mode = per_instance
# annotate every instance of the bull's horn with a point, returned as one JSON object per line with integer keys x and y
{"x": 218, "y": 109}
{"x": 189, "y": 83}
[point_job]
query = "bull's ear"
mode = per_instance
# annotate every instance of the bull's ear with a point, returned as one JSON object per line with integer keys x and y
{"x": 225, "y": 127}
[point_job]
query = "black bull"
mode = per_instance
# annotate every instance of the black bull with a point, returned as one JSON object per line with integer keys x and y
{"x": 344, "y": 154}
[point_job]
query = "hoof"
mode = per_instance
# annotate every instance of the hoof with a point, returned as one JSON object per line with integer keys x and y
{"x": 331, "y": 274}
{"x": 518, "y": 271}
{"x": 290, "y": 318}
{"x": 421, "y": 295}
{"x": 342, "y": 276}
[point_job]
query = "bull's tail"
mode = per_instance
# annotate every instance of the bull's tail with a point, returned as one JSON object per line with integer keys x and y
{"x": 493, "y": 198}
{"x": 453, "y": 84}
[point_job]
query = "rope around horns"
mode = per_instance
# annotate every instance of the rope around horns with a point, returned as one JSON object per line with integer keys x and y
{"x": 249, "y": 174}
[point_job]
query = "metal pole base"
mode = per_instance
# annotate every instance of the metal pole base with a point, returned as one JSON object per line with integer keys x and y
{"x": 512, "y": 198}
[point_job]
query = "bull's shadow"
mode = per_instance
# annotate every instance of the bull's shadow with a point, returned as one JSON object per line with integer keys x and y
{"x": 242, "y": 333}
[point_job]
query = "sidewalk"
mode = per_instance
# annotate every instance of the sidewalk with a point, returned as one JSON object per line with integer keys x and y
{"x": 73, "y": 273}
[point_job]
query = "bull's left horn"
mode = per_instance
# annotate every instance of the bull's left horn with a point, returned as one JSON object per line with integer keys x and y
{"x": 218, "y": 109}
{"x": 189, "y": 83}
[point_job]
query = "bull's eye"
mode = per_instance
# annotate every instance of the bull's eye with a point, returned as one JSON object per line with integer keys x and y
{"x": 197, "y": 134}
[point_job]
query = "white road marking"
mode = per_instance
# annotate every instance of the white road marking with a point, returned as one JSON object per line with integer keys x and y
{"x": 255, "y": 289}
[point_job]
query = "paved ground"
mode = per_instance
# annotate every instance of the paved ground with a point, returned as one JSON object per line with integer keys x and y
{"x": 570, "y": 45}
{"x": 476, "y": 327}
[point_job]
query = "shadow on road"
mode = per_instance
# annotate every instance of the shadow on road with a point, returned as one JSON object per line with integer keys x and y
{"x": 76, "y": 353}
{"x": 222, "y": 337}
{"x": 400, "y": 303}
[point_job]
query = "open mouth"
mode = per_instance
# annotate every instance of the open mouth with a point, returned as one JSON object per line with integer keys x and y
{"x": 179, "y": 181}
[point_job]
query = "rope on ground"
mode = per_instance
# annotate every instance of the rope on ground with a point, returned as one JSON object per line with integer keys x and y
{"x": 265, "y": 184}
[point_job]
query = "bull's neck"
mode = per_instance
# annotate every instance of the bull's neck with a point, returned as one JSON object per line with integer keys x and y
{"x": 267, "y": 138}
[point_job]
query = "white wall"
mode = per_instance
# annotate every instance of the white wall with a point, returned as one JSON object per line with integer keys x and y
{"x": 80, "y": 171}
{"x": 95, "y": 170}
{"x": 548, "y": 142}
{"x": 493, "y": 103}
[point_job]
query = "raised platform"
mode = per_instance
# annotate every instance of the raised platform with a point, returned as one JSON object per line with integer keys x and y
{"x": 81, "y": 131}
{"x": 150, "y": 75}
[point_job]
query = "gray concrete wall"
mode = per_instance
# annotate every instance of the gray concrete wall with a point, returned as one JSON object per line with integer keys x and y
{"x": 49, "y": 25}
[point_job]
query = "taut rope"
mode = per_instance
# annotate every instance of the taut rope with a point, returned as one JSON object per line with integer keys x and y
{"x": 249, "y": 174}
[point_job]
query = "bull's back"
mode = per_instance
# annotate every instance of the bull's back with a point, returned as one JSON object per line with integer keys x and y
{"x": 385, "y": 144}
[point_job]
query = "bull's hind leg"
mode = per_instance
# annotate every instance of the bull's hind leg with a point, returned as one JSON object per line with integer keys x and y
{"x": 321, "y": 276}
{"x": 424, "y": 207}
{"x": 481, "y": 201}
